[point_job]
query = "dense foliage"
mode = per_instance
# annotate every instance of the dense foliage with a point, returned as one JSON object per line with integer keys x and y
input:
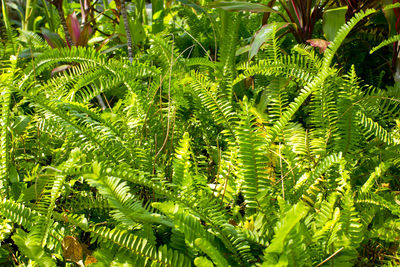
{"x": 199, "y": 133}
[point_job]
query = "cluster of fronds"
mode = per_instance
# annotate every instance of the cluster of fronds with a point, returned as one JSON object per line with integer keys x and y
{"x": 177, "y": 171}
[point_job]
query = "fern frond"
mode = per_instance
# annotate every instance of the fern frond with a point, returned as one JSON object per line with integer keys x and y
{"x": 200, "y": 61}
{"x": 46, "y": 205}
{"x": 290, "y": 66}
{"x": 18, "y": 213}
{"x": 66, "y": 55}
{"x": 167, "y": 53}
{"x": 252, "y": 159}
{"x": 309, "y": 53}
{"x": 127, "y": 209}
{"x": 377, "y": 200}
{"x": 388, "y": 231}
{"x": 351, "y": 231}
{"x": 307, "y": 186}
{"x": 5, "y": 102}
{"x": 226, "y": 53}
{"x": 218, "y": 105}
{"x": 208, "y": 207}
{"x": 32, "y": 38}
{"x": 181, "y": 163}
{"x": 78, "y": 121}
{"x": 347, "y": 131}
{"x": 324, "y": 112}
{"x": 145, "y": 254}
{"x": 389, "y": 41}
{"x": 279, "y": 126}
{"x": 83, "y": 202}
{"x": 341, "y": 35}
{"x": 373, "y": 127}
{"x": 278, "y": 95}
{"x": 379, "y": 171}
{"x": 32, "y": 249}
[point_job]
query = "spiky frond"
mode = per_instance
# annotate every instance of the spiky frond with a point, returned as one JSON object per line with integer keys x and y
{"x": 141, "y": 252}
{"x": 252, "y": 158}
{"x": 5, "y": 101}
{"x": 394, "y": 38}
{"x": 217, "y": 104}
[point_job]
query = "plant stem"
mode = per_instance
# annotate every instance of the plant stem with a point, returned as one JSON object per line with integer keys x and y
{"x": 85, "y": 11}
{"x": 267, "y": 14}
{"x": 30, "y": 11}
{"x": 64, "y": 24}
{"x": 396, "y": 57}
{"x": 58, "y": 5}
{"x": 127, "y": 30}
{"x": 330, "y": 257}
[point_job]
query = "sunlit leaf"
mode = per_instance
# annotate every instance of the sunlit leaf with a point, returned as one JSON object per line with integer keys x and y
{"x": 261, "y": 36}
{"x": 241, "y": 6}
{"x": 333, "y": 19}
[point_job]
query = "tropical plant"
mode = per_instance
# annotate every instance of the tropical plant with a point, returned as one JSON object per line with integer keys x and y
{"x": 300, "y": 16}
{"x": 190, "y": 165}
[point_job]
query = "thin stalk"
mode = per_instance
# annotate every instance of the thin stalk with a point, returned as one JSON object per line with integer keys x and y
{"x": 268, "y": 14}
{"x": 282, "y": 179}
{"x": 396, "y": 58}
{"x": 169, "y": 103}
{"x": 30, "y": 10}
{"x": 84, "y": 10}
{"x": 127, "y": 30}
{"x": 330, "y": 257}
{"x": 87, "y": 12}
{"x": 101, "y": 102}
{"x": 65, "y": 28}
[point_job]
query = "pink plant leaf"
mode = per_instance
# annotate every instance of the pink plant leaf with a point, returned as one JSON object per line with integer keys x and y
{"x": 53, "y": 39}
{"x": 320, "y": 43}
{"x": 84, "y": 35}
{"x": 60, "y": 69}
{"x": 73, "y": 28}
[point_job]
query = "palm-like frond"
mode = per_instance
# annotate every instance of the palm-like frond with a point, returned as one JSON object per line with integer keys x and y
{"x": 217, "y": 104}
{"x": 253, "y": 159}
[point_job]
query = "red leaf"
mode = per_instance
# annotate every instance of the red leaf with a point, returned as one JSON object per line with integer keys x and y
{"x": 84, "y": 35}
{"x": 53, "y": 39}
{"x": 73, "y": 28}
{"x": 320, "y": 43}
